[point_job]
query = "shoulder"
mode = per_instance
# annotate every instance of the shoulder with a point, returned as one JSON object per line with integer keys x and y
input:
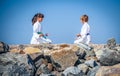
{"x": 86, "y": 24}
{"x": 36, "y": 24}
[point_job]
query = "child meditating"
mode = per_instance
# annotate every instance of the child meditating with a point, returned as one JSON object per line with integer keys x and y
{"x": 38, "y": 37}
{"x": 84, "y": 35}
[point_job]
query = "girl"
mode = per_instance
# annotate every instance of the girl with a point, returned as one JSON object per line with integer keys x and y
{"x": 84, "y": 36}
{"x": 38, "y": 37}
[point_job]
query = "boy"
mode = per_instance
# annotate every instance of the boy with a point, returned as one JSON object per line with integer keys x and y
{"x": 84, "y": 36}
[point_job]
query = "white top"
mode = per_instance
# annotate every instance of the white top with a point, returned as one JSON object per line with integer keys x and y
{"x": 85, "y": 30}
{"x": 36, "y": 28}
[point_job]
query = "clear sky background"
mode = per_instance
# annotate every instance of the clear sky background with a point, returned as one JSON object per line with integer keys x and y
{"x": 61, "y": 21}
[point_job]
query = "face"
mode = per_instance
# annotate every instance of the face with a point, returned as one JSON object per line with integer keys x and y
{"x": 39, "y": 19}
{"x": 81, "y": 21}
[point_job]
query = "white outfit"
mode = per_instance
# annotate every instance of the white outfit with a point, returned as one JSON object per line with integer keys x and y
{"x": 35, "y": 38}
{"x": 85, "y": 34}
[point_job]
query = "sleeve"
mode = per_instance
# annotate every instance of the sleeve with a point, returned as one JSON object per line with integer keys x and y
{"x": 35, "y": 30}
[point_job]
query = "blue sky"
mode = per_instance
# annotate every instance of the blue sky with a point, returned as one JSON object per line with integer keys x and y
{"x": 61, "y": 21}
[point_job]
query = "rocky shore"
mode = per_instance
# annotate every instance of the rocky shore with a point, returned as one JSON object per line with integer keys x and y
{"x": 60, "y": 59}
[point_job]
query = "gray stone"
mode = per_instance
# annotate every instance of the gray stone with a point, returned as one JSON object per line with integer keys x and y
{"x": 93, "y": 71}
{"x": 4, "y": 47}
{"x": 102, "y": 52}
{"x": 91, "y": 63}
{"x": 110, "y": 59}
{"x": 80, "y": 53}
{"x": 43, "y": 68}
{"x": 12, "y": 64}
{"x": 71, "y": 70}
{"x": 111, "y": 43}
{"x": 46, "y": 75}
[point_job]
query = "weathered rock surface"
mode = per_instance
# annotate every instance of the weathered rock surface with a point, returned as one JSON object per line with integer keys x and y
{"x": 13, "y": 64}
{"x": 108, "y": 57}
{"x": 61, "y": 60}
{"x": 3, "y": 47}
{"x": 109, "y": 70}
{"x": 63, "y": 57}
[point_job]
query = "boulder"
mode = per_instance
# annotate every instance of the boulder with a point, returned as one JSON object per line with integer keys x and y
{"x": 109, "y": 70}
{"x": 65, "y": 58}
{"x": 108, "y": 57}
{"x": 4, "y": 47}
{"x": 111, "y": 43}
{"x": 111, "y": 59}
{"x": 13, "y": 64}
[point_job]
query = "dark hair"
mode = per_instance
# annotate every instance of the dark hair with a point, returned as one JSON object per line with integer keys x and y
{"x": 38, "y": 15}
{"x": 84, "y": 18}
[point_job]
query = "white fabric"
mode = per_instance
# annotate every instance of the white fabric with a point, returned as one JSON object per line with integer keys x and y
{"x": 84, "y": 38}
{"x": 35, "y": 38}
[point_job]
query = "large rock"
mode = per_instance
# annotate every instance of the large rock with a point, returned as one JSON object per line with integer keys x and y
{"x": 111, "y": 59}
{"x": 65, "y": 57}
{"x": 109, "y": 70}
{"x": 111, "y": 43}
{"x": 108, "y": 57}
{"x": 13, "y": 64}
{"x": 4, "y": 47}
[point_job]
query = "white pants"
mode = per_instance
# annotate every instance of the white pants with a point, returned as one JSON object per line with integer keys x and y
{"x": 85, "y": 40}
{"x": 40, "y": 40}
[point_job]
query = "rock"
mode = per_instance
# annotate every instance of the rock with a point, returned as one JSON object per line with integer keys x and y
{"x": 97, "y": 47}
{"x": 102, "y": 52}
{"x": 4, "y": 47}
{"x": 93, "y": 58}
{"x": 111, "y": 43}
{"x": 109, "y": 70}
{"x": 46, "y": 75}
{"x": 93, "y": 71}
{"x": 43, "y": 69}
{"x": 110, "y": 59}
{"x": 84, "y": 68}
{"x": 117, "y": 48}
{"x": 59, "y": 60}
{"x": 80, "y": 53}
{"x": 91, "y": 63}
{"x": 31, "y": 50}
{"x": 65, "y": 58}
{"x": 50, "y": 67}
{"x": 71, "y": 71}
{"x": 13, "y": 64}
{"x": 90, "y": 53}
